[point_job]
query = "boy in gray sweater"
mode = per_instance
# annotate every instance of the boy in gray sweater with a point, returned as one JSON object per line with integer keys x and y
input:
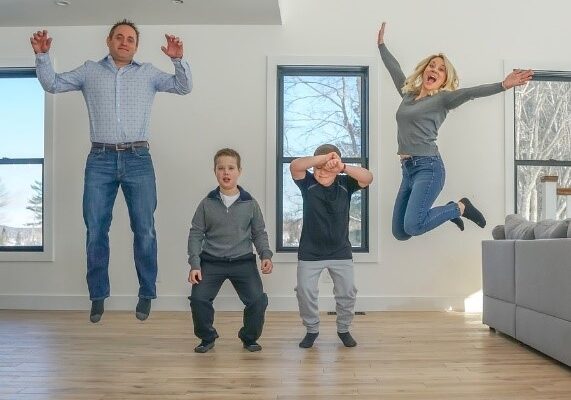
{"x": 226, "y": 223}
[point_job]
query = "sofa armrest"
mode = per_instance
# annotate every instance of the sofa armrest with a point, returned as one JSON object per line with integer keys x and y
{"x": 498, "y": 269}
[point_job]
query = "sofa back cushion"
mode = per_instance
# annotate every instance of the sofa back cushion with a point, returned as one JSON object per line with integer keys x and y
{"x": 550, "y": 229}
{"x": 517, "y": 227}
{"x": 499, "y": 232}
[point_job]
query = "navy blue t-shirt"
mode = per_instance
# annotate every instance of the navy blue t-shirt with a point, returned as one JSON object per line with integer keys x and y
{"x": 325, "y": 231}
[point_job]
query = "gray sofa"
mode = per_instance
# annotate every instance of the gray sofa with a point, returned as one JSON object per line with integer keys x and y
{"x": 527, "y": 292}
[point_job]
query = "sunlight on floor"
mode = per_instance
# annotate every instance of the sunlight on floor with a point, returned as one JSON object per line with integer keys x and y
{"x": 473, "y": 303}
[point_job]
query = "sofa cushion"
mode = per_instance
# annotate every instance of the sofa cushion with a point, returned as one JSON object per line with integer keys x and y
{"x": 498, "y": 269}
{"x": 499, "y": 314}
{"x": 550, "y": 229}
{"x": 499, "y": 232}
{"x": 543, "y": 276}
{"x": 517, "y": 227}
{"x": 548, "y": 334}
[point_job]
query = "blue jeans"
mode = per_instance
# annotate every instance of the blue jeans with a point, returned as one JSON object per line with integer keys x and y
{"x": 422, "y": 181}
{"x": 105, "y": 171}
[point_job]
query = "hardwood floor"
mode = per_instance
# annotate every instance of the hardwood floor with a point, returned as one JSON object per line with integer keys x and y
{"x": 401, "y": 355}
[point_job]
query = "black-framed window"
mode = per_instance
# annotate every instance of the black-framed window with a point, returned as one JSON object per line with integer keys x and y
{"x": 317, "y": 105}
{"x": 542, "y": 139}
{"x": 21, "y": 160}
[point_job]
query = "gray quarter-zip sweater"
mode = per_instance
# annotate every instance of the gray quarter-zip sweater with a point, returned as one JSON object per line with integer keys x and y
{"x": 418, "y": 121}
{"x": 227, "y": 232}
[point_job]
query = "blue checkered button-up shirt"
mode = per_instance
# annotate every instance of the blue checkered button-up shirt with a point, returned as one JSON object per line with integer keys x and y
{"x": 118, "y": 100}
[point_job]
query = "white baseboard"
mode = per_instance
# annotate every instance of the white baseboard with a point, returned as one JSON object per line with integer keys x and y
{"x": 230, "y": 303}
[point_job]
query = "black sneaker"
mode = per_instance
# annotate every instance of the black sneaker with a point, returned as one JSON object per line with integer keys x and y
{"x": 347, "y": 339}
{"x": 308, "y": 340}
{"x": 204, "y": 346}
{"x": 143, "y": 309}
{"x": 96, "y": 310}
{"x": 252, "y": 346}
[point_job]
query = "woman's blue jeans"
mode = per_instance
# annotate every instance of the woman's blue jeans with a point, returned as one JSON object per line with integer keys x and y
{"x": 422, "y": 181}
{"x": 105, "y": 171}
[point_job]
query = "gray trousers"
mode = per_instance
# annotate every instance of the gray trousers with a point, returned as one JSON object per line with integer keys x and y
{"x": 344, "y": 290}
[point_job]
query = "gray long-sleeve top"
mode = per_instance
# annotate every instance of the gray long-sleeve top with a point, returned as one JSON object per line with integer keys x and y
{"x": 418, "y": 121}
{"x": 227, "y": 232}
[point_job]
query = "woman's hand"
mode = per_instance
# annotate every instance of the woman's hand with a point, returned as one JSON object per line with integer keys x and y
{"x": 381, "y": 36}
{"x": 517, "y": 78}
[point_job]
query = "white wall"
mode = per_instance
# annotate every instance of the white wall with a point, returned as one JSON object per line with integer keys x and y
{"x": 228, "y": 108}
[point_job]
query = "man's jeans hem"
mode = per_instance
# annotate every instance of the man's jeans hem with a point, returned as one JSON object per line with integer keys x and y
{"x": 98, "y": 298}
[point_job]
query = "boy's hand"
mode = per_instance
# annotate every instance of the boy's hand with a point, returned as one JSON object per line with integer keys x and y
{"x": 335, "y": 165}
{"x": 332, "y": 159}
{"x": 194, "y": 276}
{"x": 267, "y": 266}
{"x": 326, "y": 158}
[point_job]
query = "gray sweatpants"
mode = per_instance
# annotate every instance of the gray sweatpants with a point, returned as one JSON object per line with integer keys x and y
{"x": 344, "y": 290}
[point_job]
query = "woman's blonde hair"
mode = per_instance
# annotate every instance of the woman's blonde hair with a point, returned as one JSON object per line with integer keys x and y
{"x": 413, "y": 83}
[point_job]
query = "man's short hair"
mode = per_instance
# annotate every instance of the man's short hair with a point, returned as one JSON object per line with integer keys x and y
{"x": 326, "y": 149}
{"x": 230, "y": 153}
{"x": 124, "y": 22}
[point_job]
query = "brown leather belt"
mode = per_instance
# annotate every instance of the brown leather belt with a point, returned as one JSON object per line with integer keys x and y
{"x": 120, "y": 146}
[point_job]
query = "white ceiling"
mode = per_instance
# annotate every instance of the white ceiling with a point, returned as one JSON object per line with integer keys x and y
{"x": 42, "y": 13}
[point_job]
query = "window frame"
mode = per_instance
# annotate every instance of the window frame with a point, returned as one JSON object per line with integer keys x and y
{"x": 25, "y": 68}
{"x": 324, "y": 70}
{"x": 552, "y": 71}
{"x": 273, "y": 159}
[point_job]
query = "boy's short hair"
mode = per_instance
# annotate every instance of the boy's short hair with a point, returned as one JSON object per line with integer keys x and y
{"x": 326, "y": 149}
{"x": 230, "y": 153}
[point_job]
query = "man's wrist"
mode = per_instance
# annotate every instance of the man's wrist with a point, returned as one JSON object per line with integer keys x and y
{"x": 344, "y": 168}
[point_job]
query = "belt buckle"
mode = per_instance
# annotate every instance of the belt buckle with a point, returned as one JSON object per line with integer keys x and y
{"x": 119, "y": 148}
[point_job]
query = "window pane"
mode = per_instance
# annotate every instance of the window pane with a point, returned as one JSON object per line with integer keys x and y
{"x": 543, "y": 121}
{"x": 293, "y": 213}
{"x": 292, "y": 210}
{"x": 529, "y": 190}
{"x": 21, "y": 208}
{"x": 355, "y": 226}
{"x": 321, "y": 109}
{"x": 21, "y": 118}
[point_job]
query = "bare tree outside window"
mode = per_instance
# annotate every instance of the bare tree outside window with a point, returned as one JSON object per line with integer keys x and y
{"x": 320, "y": 105}
{"x": 542, "y": 140}
{"x": 3, "y": 201}
{"x": 22, "y": 106}
{"x": 3, "y": 195}
{"x": 35, "y": 204}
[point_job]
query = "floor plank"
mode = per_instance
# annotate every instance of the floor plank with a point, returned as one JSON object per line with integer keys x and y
{"x": 401, "y": 355}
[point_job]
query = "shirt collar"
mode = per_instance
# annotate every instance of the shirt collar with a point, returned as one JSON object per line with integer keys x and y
{"x": 109, "y": 60}
{"x": 244, "y": 196}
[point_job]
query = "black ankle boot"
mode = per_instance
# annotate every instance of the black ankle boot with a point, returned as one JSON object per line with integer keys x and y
{"x": 457, "y": 221}
{"x": 97, "y": 310}
{"x": 472, "y": 213}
